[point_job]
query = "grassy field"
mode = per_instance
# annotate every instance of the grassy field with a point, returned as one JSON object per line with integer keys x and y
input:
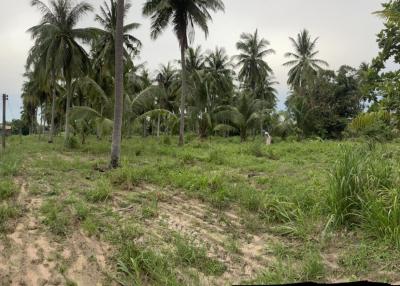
{"x": 215, "y": 212}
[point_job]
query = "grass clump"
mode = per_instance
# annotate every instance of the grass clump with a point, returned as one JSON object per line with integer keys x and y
{"x": 131, "y": 176}
{"x": 277, "y": 273}
{"x": 217, "y": 157}
{"x": 313, "y": 268}
{"x": 7, "y": 211}
{"x": 101, "y": 192}
{"x": 56, "y": 217}
{"x": 191, "y": 255}
{"x": 7, "y": 189}
{"x": 137, "y": 266}
{"x": 9, "y": 164}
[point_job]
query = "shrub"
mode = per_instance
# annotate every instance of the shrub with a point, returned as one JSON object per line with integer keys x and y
{"x": 256, "y": 149}
{"x": 373, "y": 125}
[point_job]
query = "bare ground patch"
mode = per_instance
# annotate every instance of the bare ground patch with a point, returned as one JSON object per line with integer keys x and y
{"x": 32, "y": 256}
{"x": 221, "y": 232}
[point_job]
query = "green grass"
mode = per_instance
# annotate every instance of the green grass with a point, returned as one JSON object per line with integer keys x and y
{"x": 365, "y": 193}
{"x": 7, "y": 189}
{"x": 56, "y": 217}
{"x": 311, "y": 196}
{"x": 101, "y": 192}
{"x": 191, "y": 255}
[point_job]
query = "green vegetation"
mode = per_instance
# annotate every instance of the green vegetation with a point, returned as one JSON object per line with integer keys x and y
{"x": 308, "y": 206}
{"x": 222, "y": 207}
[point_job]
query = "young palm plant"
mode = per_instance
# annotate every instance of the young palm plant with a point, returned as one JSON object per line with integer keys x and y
{"x": 243, "y": 115}
{"x": 184, "y": 15}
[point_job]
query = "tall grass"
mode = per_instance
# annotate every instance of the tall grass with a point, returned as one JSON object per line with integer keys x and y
{"x": 364, "y": 192}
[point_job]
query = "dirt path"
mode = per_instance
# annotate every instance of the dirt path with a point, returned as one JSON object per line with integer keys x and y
{"x": 31, "y": 256}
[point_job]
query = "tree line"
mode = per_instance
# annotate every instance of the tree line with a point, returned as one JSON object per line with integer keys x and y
{"x": 89, "y": 81}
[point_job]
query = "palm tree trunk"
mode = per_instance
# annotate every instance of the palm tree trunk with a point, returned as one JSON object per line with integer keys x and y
{"x": 69, "y": 95}
{"x": 243, "y": 134}
{"x": 119, "y": 86}
{"x": 158, "y": 125}
{"x": 40, "y": 131}
{"x": 183, "y": 97}
{"x": 53, "y": 111}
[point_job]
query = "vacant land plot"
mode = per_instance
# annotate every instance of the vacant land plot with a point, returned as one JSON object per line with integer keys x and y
{"x": 215, "y": 212}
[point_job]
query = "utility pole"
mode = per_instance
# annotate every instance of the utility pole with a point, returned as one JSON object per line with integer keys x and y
{"x": 3, "y": 142}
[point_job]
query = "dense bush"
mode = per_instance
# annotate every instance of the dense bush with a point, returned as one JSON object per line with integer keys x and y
{"x": 372, "y": 125}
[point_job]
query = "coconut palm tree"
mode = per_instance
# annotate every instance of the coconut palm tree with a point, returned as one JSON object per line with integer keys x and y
{"x": 104, "y": 45}
{"x": 56, "y": 46}
{"x": 219, "y": 71}
{"x": 302, "y": 61}
{"x": 184, "y": 15}
{"x": 266, "y": 91}
{"x": 251, "y": 60}
{"x": 119, "y": 86}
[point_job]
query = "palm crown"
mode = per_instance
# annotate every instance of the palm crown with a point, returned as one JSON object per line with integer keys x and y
{"x": 303, "y": 61}
{"x": 56, "y": 46}
{"x": 105, "y": 44}
{"x": 184, "y": 15}
{"x": 253, "y": 50}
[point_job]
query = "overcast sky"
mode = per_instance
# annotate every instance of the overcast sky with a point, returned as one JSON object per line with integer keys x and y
{"x": 346, "y": 29}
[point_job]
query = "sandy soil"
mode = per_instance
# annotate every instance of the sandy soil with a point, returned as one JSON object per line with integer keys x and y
{"x": 31, "y": 256}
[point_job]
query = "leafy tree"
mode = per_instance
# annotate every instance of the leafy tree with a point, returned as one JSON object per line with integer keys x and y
{"x": 328, "y": 102}
{"x": 184, "y": 15}
{"x": 378, "y": 85}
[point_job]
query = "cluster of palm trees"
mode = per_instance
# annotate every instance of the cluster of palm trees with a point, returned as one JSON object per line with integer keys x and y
{"x": 85, "y": 80}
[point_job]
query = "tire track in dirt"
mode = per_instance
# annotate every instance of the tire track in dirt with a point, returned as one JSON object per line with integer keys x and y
{"x": 30, "y": 255}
